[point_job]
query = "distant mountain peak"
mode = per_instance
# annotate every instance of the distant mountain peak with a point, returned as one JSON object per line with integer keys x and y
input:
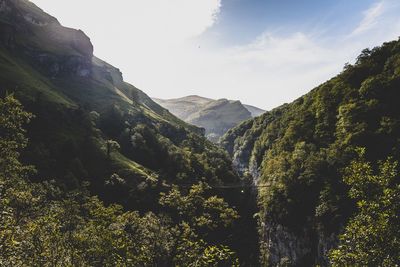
{"x": 215, "y": 116}
{"x": 255, "y": 111}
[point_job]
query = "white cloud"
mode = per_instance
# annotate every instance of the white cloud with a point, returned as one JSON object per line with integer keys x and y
{"x": 276, "y": 67}
{"x": 371, "y": 17}
{"x": 169, "y": 20}
{"x": 267, "y": 72}
{"x": 159, "y": 48}
{"x": 123, "y": 29}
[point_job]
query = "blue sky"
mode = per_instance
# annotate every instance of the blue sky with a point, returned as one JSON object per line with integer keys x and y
{"x": 262, "y": 52}
{"x": 240, "y": 21}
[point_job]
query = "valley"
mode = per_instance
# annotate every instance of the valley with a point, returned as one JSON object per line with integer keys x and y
{"x": 94, "y": 172}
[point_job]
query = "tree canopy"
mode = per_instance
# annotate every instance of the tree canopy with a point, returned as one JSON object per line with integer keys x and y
{"x": 44, "y": 225}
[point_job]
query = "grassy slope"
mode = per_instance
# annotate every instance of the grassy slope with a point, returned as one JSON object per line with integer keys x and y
{"x": 17, "y": 75}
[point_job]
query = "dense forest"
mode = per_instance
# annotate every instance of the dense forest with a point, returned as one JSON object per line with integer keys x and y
{"x": 328, "y": 160}
{"x": 43, "y": 225}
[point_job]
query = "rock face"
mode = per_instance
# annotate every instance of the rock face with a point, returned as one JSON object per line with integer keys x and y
{"x": 7, "y": 35}
{"x": 279, "y": 245}
{"x": 62, "y": 65}
{"x": 56, "y": 50}
{"x": 6, "y": 8}
{"x": 285, "y": 248}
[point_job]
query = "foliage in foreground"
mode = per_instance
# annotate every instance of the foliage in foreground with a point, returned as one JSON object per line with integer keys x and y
{"x": 372, "y": 237}
{"x": 40, "y": 225}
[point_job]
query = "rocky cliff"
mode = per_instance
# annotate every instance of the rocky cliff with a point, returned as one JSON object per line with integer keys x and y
{"x": 41, "y": 38}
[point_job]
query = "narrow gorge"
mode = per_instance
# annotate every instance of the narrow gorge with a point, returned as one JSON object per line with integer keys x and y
{"x": 94, "y": 172}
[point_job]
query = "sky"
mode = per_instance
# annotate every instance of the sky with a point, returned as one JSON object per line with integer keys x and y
{"x": 261, "y": 52}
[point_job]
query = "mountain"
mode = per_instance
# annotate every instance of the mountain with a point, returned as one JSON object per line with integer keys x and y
{"x": 52, "y": 70}
{"x": 91, "y": 127}
{"x": 93, "y": 172}
{"x": 185, "y": 106}
{"x": 255, "y": 111}
{"x": 215, "y": 116}
{"x": 300, "y": 154}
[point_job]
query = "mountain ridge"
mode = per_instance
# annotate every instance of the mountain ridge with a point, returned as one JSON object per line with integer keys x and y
{"x": 216, "y": 116}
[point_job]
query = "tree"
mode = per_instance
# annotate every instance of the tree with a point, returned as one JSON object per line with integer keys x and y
{"x": 372, "y": 237}
{"x": 15, "y": 197}
{"x": 12, "y": 136}
{"x": 110, "y": 146}
{"x": 42, "y": 225}
{"x": 199, "y": 210}
{"x": 114, "y": 180}
{"x": 199, "y": 214}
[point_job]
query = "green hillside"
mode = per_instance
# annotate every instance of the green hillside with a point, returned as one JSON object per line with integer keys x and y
{"x": 80, "y": 100}
{"x": 93, "y": 172}
{"x": 94, "y": 131}
{"x": 297, "y": 154}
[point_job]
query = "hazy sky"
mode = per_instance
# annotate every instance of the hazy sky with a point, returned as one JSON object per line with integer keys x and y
{"x": 262, "y": 52}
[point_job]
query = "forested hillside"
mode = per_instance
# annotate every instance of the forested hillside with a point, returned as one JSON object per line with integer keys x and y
{"x": 43, "y": 225}
{"x": 298, "y": 154}
{"x": 93, "y": 172}
{"x": 97, "y": 142}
